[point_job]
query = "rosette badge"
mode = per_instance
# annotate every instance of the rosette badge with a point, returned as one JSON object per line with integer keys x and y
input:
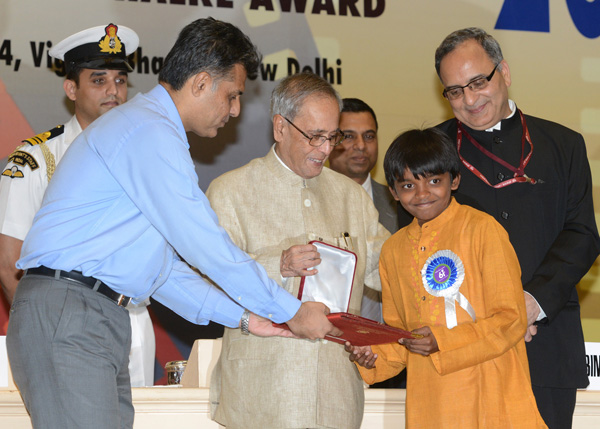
{"x": 443, "y": 274}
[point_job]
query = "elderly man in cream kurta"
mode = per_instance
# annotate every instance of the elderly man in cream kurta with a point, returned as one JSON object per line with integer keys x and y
{"x": 271, "y": 208}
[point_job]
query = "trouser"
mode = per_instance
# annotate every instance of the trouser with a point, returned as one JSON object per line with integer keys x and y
{"x": 556, "y": 406}
{"x": 68, "y": 348}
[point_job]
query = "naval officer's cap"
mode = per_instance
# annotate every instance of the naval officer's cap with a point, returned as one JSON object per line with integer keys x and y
{"x": 102, "y": 47}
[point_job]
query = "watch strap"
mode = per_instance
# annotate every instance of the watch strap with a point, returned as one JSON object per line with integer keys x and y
{"x": 245, "y": 323}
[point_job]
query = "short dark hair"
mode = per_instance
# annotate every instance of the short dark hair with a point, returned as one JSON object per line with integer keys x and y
{"x": 456, "y": 38}
{"x": 211, "y": 46}
{"x": 356, "y": 105}
{"x": 424, "y": 152}
{"x": 74, "y": 73}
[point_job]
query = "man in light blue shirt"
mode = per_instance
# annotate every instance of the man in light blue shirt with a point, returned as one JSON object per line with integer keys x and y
{"x": 121, "y": 215}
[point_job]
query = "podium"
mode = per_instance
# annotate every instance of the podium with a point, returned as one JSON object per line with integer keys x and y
{"x": 188, "y": 406}
{"x": 200, "y": 364}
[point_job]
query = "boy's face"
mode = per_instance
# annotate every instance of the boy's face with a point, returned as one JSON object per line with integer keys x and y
{"x": 427, "y": 197}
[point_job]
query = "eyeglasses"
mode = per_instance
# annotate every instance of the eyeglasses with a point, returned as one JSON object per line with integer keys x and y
{"x": 318, "y": 140}
{"x": 456, "y": 92}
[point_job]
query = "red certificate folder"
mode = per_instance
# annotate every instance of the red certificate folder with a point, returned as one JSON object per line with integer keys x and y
{"x": 360, "y": 331}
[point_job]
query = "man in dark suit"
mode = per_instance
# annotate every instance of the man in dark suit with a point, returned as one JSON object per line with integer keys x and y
{"x": 533, "y": 176}
{"x": 355, "y": 157}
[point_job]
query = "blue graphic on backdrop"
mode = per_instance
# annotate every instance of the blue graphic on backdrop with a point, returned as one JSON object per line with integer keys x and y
{"x": 524, "y": 15}
{"x": 534, "y": 15}
{"x": 586, "y": 16}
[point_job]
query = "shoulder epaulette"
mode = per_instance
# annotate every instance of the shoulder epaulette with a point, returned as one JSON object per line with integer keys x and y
{"x": 45, "y": 136}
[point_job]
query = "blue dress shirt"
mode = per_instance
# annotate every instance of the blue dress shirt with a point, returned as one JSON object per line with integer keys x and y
{"x": 124, "y": 207}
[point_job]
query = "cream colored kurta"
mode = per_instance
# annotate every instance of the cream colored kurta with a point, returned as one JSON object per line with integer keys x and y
{"x": 480, "y": 376}
{"x": 280, "y": 382}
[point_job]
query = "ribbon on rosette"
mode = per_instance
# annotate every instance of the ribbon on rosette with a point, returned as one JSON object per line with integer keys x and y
{"x": 443, "y": 274}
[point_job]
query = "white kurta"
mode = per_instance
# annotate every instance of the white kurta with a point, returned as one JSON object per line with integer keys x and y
{"x": 282, "y": 382}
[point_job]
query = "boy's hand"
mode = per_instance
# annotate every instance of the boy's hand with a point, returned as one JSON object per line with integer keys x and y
{"x": 423, "y": 346}
{"x": 363, "y": 356}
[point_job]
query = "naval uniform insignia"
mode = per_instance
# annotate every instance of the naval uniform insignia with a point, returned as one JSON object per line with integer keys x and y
{"x": 111, "y": 43}
{"x": 45, "y": 136}
{"x": 22, "y": 158}
{"x": 13, "y": 172}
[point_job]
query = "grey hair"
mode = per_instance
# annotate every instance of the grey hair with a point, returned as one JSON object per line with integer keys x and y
{"x": 453, "y": 40}
{"x": 288, "y": 96}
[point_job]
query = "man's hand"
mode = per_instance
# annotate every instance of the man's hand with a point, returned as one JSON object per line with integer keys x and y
{"x": 264, "y": 328}
{"x": 363, "y": 356}
{"x": 310, "y": 321}
{"x": 10, "y": 251}
{"x": 530, "y": 332}
{"x": 297, "y": 260}
{"x": 423, "y": 346}
{"x": 533, "y": 311}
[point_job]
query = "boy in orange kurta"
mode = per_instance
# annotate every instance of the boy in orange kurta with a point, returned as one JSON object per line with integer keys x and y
{"x": 451, "y": 276}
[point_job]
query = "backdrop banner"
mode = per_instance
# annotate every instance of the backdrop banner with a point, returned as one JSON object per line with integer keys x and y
{"x": 592, "y": 358}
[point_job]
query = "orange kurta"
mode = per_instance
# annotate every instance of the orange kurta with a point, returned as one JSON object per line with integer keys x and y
{"x": 480, "y": 376}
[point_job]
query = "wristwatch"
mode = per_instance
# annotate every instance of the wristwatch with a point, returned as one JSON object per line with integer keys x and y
{"x": 245, "y": 323}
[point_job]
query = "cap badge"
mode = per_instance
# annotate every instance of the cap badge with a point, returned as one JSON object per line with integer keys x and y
{"x": 111, "y": 43}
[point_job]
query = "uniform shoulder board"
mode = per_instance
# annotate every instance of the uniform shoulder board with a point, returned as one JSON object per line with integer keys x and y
{"x": 45, "y": 136}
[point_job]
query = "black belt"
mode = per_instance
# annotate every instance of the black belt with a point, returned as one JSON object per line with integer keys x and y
{"x": 77, "y": 277}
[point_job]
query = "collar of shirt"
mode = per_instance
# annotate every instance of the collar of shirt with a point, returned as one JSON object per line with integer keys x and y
{"x": 513, "y": 109}
{"x": 368, "y": 186}
{"x": 289, "y": 176}
{"x": 279, "y": 159}
{"x": 73, "y": 129}
{"x": 415, "y": 230}
{"x": 169, "y": 109}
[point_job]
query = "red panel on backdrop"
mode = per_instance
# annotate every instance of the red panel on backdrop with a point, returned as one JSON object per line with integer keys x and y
{"x": 13, "y": 125}
{"x": 166, "y": 350}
